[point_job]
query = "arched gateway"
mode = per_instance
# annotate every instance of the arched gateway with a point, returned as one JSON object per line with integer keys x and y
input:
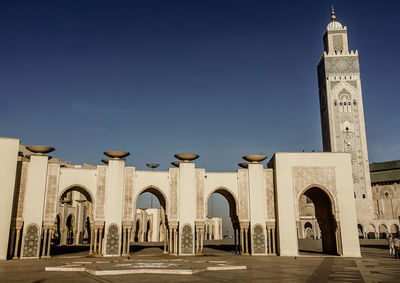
{"x": 97, "y": 206}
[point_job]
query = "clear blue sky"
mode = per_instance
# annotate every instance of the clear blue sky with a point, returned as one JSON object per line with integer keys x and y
{"x": 217, "y": 78}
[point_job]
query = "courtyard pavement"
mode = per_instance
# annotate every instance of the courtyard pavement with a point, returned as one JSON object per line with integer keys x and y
{"x": 218, "y": 265}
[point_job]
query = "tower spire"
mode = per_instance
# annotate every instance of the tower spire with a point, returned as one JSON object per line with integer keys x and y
{"x": 333, "y": 17}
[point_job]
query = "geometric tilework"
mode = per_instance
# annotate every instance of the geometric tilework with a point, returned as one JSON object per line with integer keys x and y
{"x": 112, "y": 240}
{"x": 31, "y": 244}
{"x": 187, "y": 239}
{"x": 258, "y": 240}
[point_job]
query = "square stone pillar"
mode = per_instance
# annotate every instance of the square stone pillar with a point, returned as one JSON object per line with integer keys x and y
{"x": 34, "y": 205}
{"x": 187, "y": 208}
{"x": 258, "y": 209}
{"x": 8, "y": 167}
{"x": 113, "y": 207}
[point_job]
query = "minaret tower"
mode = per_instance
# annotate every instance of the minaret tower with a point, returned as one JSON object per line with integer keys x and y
{"x": 342, "y": 112}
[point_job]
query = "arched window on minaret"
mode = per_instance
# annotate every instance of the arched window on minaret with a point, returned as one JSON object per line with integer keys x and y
{"x": 345, "y": 104}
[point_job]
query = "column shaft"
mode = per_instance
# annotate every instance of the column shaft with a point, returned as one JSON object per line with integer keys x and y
{"x": 95, "y": 241}
{"x": 165, "y": 240}
{"x": 49, "y": 242}
{"x": 241, "y": 240}
{"x": 91, "y": 241}
{"x": 16, "y": 248}
{"x": 201, "y": 240}
{"x": 101, "y": 241}
{"x": 273, "y": 241}
{"x": 44, "y": 244}
{"x": 197, "y": 241}
{"x": 247, "y": 240}
{"x": 170, "y": 241}
{"x": 175, "y": 241}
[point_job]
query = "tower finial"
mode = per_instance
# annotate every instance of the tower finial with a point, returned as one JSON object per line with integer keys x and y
{"x": 333, "y": 17}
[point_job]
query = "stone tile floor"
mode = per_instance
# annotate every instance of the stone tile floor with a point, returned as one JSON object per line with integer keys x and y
{"x": 375, "y": 266}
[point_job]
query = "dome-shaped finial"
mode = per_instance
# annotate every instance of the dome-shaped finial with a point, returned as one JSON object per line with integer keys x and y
{"x": 333, "y": 17}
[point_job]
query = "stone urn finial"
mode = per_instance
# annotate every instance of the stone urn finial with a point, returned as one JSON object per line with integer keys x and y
{"x": 255, "y": 158}
{"x": 40, "y": 149}
{"x": 176, "y": 163}
{"x": 116, "y": 154}
{"x": 186, "y": 157}
{"x": 152, "y": 165}
{"x": 244, "y": 165}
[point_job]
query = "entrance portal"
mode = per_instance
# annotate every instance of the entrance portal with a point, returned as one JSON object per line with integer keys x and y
{"x": 324, "y": 213}
{"x": 219, "y": 234}
{"x": 151, "y": 220}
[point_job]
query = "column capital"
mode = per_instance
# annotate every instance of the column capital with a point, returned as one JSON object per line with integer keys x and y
{"x": 271, "y": 224}
{"x": 199, "y": 224}
{"x": 98, "y": 224}
{"x": 244, "y": 224}
{"x": 127, "y": 224}
{"x": 173, "y": 224}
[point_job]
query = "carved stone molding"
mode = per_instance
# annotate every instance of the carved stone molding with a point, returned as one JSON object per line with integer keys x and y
{"x": 51, "y": 192}
{"x": 174, "y": 176}
{"x": 101, "y": 191}
{"x": 270, "y": 199}
{"x": 128, "y": 193}
{"x": 243, "y": 194}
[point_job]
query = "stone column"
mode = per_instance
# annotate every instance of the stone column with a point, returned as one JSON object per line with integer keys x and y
{"x": 95, "y": 241}
{"x": 49, "y": 242}
{"x": 91, "y": 241}
{"x": 241, "y": 240}
{"x": 16, "y": 248}
{"x": 197, "y": 240}
{"x": 170, "y": 241}
{"x": 175, "y": 241}
{"x": 78, "y": 221}
{"x": 44, "y": 244}
{"x": 234, "y": 239}
{"x": 101, "y": 241}
{"x": 246, "y": 230}
{"x": 201, "y": 240}
{"x": 165, "y": 240}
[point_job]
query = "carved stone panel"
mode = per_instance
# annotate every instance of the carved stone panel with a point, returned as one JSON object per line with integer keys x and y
{"x": 112, "y": 241}
{"x": 305, "y": 176}
{"x": 101, "y": 191}
{"x": 200, "y": 193}
{"x": 31, "y": 242}
{"x": 243, "y": 194}
{"x": 128, "y": 193}
{"x": 342, "y": 65}
{"x": 22, "y": 189}
{"x": 269, "y": 183}
{"x": 173, "y": 191}
{"x": 51, "y": 192}
{"x": 187, "y": 240}
{"x": 258, "y": 239}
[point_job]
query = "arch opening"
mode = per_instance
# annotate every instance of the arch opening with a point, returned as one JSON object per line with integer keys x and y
{"x": 322, "y": 212}
{"x": 74, "y": 218}
{"x": 222, "y": 221}
{"x": 151, "y": 219}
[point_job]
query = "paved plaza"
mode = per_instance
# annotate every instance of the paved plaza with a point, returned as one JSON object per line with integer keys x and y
{"x": 147, "y": 264}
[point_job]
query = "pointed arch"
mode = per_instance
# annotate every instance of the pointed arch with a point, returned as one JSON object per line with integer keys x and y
{"x": 80, "y": 188}
{"x": 230, "y": 197}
